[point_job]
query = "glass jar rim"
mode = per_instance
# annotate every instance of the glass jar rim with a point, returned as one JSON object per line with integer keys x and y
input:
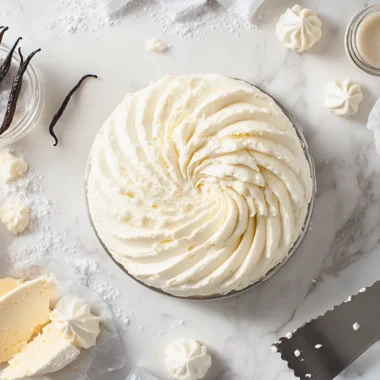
{"x": 351, "y": 47}
{"x": 28, "y": 121}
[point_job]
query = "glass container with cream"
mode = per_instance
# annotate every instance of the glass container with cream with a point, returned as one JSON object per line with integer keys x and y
{"x": 363, "y": 39}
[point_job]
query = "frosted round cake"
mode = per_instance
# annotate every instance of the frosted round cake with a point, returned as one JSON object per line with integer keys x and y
{"x": 198, "y": 185}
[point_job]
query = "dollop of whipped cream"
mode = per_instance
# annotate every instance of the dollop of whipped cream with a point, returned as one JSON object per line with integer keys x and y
{"x": 73, "y": 318}
{"x": 343, "y": 97}
{"x": 198, "y": 184}
{"x": 11, "y": 167}
{"x": 187, "y": 360}
{"x": 15, "y": 216}
{"x": 299, "y": 28}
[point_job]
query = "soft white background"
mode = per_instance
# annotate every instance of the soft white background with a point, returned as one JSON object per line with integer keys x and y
{"x": 342, "y": 250}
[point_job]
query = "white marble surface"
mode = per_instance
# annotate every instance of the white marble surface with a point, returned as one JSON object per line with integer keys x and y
{"x": 342, "y": 251}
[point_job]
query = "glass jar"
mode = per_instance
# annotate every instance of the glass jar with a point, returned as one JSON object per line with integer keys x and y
{"x": 29, "y": 103}
{"x": 351, "y": 39}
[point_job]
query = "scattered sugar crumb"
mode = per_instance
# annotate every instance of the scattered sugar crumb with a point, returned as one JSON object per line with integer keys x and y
{"x": 362, "y": 290}
{"x": 349, "y": 299}
{"x": 179, "y": 323}
{"x": 318, "y": 346}
{"x": 289, "y": 335}
{"x": 297, "y": 353}
{"x": 106, "y": 291}
{"x": 308, "y": 375}
{"x": 356, "y": 326}
{"x": 121, "y": 315}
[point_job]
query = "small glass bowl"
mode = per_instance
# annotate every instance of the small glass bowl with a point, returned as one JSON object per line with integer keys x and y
{"x": 269, "y": 274}
{"x": 351, "y": 45}
{"x": 26, "y": 122}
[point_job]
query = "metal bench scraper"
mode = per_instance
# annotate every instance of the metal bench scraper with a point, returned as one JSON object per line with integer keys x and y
{"x": 324, "y": 347}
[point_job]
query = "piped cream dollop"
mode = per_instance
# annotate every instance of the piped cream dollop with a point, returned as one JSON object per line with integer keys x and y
{"x": 343, "y": 97}
{"x": 198, "y": 184}
{"x": 72, "y": 317}
{"x": 299, "y": 28}
{"x": 187, "y": 359}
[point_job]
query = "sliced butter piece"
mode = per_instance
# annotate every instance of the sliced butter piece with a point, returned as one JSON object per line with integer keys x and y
{"x": 23, "y": 312}
{"x": 7, "y": 284}
{"x": 47, "y": 353}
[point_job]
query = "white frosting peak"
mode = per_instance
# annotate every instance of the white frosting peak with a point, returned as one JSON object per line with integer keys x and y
{"x": 187, "y": 360}
{"x": 343, "y": 97}
{"x": 73, "y": 318}
{"x": 198, "y": 184}
{"x": 299, "y": 28}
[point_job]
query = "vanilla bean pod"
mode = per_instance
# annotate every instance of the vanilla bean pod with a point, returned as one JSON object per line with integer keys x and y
{"x": 15, "y": 90}
{"x": 8, "y": 60}
{"x": 4, "y": 29}
{"x": 58, "y": 115}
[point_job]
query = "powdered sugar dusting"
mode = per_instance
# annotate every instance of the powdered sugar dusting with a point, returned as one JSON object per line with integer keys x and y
{"x": 207, "y": 18}
{"x": 90, "y": 16}
{"x": 179, "y": 323}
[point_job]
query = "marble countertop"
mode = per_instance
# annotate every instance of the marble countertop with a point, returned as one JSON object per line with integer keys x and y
{"x": 341, "y": 252}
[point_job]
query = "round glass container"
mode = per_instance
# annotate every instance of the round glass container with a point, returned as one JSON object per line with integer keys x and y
{"x": 353, "y": 36}
{"x": 29, "y": 103}
{"x": 269, "y": 274}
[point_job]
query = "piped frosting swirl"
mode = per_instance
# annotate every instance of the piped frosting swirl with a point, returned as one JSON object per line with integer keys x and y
{"x": 198, "y": 184}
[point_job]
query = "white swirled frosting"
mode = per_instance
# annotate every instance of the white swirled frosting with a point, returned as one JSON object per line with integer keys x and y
{"x": 299, "y": 28}
{"x": 343, "y": 97}
{"x": 198, "y": 184}
{"x": 187, "y": 359}
{"x": 72, "y": 317}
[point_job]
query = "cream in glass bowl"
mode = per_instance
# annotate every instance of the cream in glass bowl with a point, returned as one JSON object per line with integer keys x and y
{"x": 362, "y": 39}
{"x": 200, "y": 186}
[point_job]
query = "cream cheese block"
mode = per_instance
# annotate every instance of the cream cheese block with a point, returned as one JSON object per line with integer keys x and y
{"x": 24, "y": 310}
{"x": 7, "y": 284}
{"x": 49, "y": 352}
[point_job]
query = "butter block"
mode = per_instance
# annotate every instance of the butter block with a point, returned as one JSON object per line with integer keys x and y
{"x": 48, "y": 352}
{"x": 24, "y": 310}
{"x": 7, "y": 284}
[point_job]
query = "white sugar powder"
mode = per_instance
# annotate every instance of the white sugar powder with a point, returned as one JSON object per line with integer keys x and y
{"x": 91, "y": 15}
{"x": 43, "y": 241}
{"x": 179, "y": 323}
{"x": 210, "y": 17}
{"x": 106, "y": 291}
{"x": 84, "y": 268}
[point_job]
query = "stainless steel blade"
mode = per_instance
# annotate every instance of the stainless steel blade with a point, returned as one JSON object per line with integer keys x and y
{"x": 324, "y": 347}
